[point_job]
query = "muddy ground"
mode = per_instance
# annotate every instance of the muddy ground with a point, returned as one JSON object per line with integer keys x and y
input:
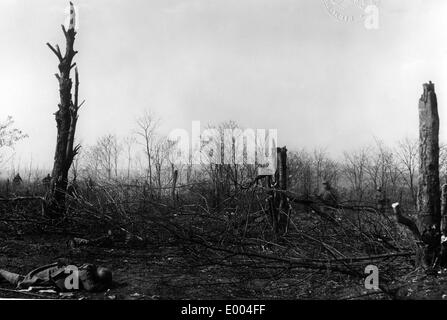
{"x": 166, "y": 272}
{"x": 169, "y": 272}
{"x": 167, "y": 267}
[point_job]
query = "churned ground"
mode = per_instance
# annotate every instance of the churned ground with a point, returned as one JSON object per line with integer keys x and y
{"x": 152, "y": 272}
{"x": 170, "y": 272}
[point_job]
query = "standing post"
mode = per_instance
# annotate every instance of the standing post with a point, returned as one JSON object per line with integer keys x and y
{"x": 174, "y": 184}
{"x": 429, "y": 208}
{"x": 282, "y": 168}
{"x": 279, "y": 203}
{"x": 284, "y": 214}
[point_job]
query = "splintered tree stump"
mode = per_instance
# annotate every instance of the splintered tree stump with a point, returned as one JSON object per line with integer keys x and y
{"x": 66, "y": 120}
{"x": 429, "y": 207}
{"x": 427, "y": 230}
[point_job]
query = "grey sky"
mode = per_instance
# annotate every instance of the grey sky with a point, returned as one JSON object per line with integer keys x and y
{"x": 284, "y": 64}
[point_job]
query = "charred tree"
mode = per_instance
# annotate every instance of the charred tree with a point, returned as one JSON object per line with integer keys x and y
{"x": 284, "y": 207}
{"x": 278, "y": 201}
{"x": 66, "y": 120}
{"x": 444, "y": 210}
{"x": 443, "y": 257}
{"x": 429, "y": 206}
{"x": 427, "y": 230}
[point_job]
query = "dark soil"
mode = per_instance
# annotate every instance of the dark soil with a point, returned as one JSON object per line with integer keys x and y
{"x": 167, "y": 272}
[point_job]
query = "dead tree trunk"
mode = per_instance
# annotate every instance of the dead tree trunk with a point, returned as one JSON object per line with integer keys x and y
{"x": 283, "y": 218}
{"x": 443, "y": 256}
{"x": 66, "y": 120}
{"x": 279, "y": 204}
{"x": 429, "y": 208}
{"x": 218, "y": 186}
{"x": 444, "y": 210}
{"x": 174, "y": 185}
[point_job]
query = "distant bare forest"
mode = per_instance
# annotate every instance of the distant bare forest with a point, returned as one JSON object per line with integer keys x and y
{"x": 145, "y": 158}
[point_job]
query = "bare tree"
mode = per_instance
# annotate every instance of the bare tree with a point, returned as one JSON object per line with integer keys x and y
{"x": 92, "y": 162}
{"x": 162, "y": 148}
{"x": 146, "y": 131}
{"x": 383, "y": 171}
{"x": 319, "y": 156}
{"x": 376, "y": 169}
{"x": 300, "y": 168}
{"x": 129, "y": 143}
{"x": 355, "y": 171}
{"x": 107, "y": 151}
{"x": 8, "y": 137}
{"x": 408, "y": 156}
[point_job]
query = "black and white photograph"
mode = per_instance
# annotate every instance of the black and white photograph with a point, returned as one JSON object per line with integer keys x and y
{"x": 223, "y": 154}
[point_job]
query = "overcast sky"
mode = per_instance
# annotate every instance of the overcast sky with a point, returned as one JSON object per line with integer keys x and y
{"x": 282, "y": 64}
